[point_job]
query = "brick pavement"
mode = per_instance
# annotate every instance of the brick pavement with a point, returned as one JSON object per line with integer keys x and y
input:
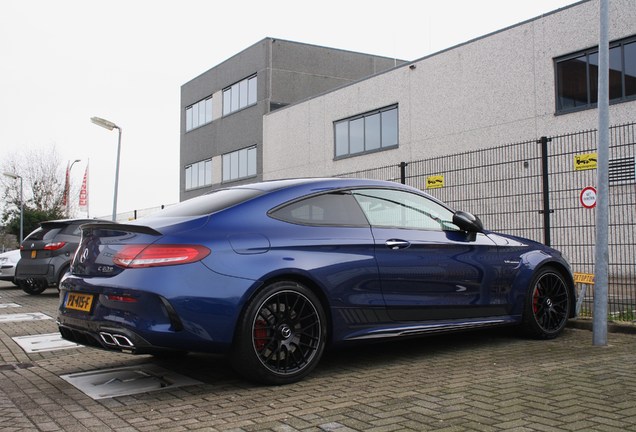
{"x": 486, "y": 381}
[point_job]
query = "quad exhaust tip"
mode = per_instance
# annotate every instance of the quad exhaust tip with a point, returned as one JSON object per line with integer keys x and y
{"x": 116, "y": 340}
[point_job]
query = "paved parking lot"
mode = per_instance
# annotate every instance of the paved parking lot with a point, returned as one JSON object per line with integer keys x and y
{"x": 489, "y": 381}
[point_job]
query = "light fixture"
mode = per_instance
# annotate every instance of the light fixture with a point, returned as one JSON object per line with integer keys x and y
{"x": 104, "y": 123}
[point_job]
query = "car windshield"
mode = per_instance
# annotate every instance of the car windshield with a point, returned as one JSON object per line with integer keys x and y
{"x": 209, "y": 203}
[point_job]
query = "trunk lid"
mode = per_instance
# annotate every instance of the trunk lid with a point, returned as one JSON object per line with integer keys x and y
{"x": 100, "y": 244}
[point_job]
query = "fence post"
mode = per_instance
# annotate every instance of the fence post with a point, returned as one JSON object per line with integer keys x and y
{"x": 403, "y": 172}
{"x": 545, "y": 171}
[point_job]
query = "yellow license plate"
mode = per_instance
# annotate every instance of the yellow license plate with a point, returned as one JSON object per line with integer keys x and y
{"x": 33, "y": 253}
{"x": 80, "y": 302}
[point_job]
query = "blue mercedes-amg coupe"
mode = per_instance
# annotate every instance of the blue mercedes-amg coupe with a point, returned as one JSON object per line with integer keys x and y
{"x": 272, "y": 273}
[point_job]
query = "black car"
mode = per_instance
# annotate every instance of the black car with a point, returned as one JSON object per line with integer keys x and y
{"x": 46, "y": 254}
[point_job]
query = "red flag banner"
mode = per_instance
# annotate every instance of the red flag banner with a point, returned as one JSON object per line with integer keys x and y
{"x": 83, "y": 196}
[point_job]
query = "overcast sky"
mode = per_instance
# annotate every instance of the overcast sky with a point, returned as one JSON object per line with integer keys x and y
{"x": 65, "y": 61}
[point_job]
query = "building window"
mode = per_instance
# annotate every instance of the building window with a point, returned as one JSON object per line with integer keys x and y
{"x": 369, "y": 132}
{"x": 199, "y": 114}
{"x": 239, "y": 164}
{"x": 198, "y": 174}
{"x": 577, "y": 76}
{"x": 240, "y": 95}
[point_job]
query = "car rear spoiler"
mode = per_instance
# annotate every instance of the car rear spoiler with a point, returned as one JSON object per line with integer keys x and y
{"x": 140, "y": 229}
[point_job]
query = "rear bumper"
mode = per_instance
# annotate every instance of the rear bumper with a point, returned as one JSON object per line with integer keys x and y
{"x": 154, "y": 310}
{"x": 40, "y": 274}
{"x": 104, "y": 336}
{"x": 34, "y": 282}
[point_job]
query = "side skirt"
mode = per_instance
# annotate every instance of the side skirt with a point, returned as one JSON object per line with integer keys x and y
{"x": 430, "y": 328}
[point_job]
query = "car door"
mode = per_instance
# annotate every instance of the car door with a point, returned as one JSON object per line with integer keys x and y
{"x": 429, "y": 268}
{"x": 329, "y": 237}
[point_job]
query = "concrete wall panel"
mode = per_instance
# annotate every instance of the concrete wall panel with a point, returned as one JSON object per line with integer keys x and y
{"x": 491, "y": 91}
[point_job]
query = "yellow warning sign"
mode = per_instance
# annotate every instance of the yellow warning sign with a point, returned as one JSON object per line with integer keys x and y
{"x": 584, "y": 278}
{"x": 435, "y": 182}
{"x": 585, "y": 161}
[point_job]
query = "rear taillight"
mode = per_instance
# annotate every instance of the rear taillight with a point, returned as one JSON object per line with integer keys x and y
{"x": 121, "y": 298}
{"x": 138, "y": 256}
{"x": 54, "y": 246}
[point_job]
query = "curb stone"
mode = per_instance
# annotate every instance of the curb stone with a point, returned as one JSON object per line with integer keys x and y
{"x": 612, "y": 326}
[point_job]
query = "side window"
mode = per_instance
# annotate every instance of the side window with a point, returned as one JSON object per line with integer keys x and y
{"x": 399, "y": 209}
{"x": 333, "y": 209}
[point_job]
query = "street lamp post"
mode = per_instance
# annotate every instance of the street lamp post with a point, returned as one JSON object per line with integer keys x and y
{"x": 15, "y": 177}
{"x": 110, "y": 126}
{"x": 68, "y": 192}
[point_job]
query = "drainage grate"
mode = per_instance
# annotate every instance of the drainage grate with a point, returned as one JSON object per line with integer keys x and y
{"x": 33, "y": 316}
{"x": 109, "y": 383}
{"x": 43, "y": 342}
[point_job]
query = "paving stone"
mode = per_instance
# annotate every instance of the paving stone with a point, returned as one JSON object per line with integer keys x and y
{"x": 482, "y": 381}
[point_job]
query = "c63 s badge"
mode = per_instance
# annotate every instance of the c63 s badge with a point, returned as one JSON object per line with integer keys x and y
{"x": 105, "y": 269}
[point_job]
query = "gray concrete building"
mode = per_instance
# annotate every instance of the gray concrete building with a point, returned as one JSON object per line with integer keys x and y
{"x": 534, "y": 79}
{"x": 222, "y": 109}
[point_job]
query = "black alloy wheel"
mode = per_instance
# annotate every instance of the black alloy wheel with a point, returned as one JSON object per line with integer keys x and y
{"x": 281, "y": 336}
{"x": 547, "y": 306}
{"x": 32, "y": 286}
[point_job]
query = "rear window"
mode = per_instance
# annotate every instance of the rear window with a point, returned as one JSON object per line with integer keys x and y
{"x": 210, "y": 203}
{"x": 46, "y": 232}
{"x": 73, "y": 230}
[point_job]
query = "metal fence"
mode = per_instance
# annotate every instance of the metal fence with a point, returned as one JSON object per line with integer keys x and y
{"x": 533, "y": 188}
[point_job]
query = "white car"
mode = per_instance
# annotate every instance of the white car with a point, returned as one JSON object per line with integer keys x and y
{"x": 8, "y": 261}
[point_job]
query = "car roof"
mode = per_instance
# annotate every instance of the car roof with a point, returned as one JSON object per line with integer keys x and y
{"x": 271, "y": 193}
{"x": 315, "y": 182}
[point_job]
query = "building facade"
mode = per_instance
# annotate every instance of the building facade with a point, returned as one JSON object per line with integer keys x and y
{"x": 222, "y": 109}
{"x": 537, "y": 78}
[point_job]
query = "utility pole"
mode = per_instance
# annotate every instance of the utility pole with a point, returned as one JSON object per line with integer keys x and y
{"x": 601, "y": 263}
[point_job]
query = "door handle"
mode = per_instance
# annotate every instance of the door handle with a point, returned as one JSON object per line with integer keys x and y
{"x": 397, "y": 244}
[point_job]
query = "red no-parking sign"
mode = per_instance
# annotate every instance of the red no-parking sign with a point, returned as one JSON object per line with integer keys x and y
{"x": 588, "y": 197}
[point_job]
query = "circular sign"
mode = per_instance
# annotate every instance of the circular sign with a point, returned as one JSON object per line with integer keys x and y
{"x": 588, "y": 197}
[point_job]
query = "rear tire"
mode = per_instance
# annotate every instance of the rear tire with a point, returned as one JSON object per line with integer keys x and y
{"x": 547, "y": 306}
{"x": 281, "y": 336}
{"x": 32, "y": 289}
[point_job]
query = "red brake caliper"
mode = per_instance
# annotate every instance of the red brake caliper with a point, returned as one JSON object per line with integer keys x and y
{"x": 260, "y": 334}
{"x": 535, "y": 301}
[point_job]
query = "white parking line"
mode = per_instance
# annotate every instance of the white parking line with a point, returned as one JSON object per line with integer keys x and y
{"x": 32, "y": 316}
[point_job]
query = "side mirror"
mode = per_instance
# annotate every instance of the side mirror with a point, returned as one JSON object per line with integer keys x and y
{"x": 468, "y": 222}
